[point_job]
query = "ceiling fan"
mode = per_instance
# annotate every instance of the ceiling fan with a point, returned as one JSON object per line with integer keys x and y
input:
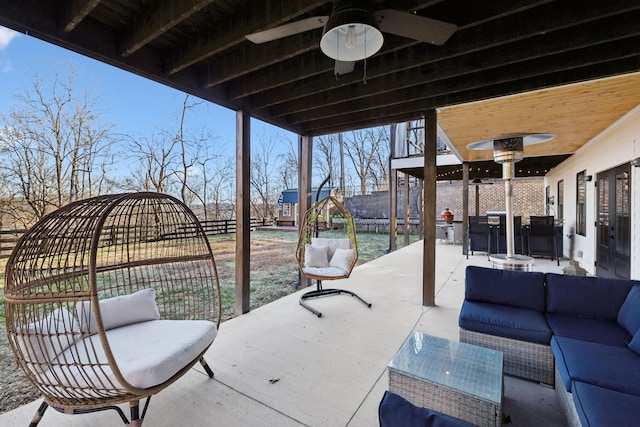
{"x": 353, "y": 32}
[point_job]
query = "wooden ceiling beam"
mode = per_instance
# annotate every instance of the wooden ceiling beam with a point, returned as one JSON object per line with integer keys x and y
{"x": 527, "y": 70}
{"x": 224, "y": 35}
{"x": 473, "y": 39}
{"x": 344, "y": 122}
{"x": 75, "y": 11}
{"x": 168, "y": 15}
{"x": 249, "y": 59}
{"x": 283, "y": 74}
{"x": 620, "y": 32}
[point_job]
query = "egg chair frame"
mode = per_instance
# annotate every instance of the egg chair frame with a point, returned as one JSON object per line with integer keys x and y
{"x": 104, "y": 281}
{"x": 311, "y": 226}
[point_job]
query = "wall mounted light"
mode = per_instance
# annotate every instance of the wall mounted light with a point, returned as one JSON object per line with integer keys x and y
{"x": 588, "y": 178}
{"x": 636, "y": 162}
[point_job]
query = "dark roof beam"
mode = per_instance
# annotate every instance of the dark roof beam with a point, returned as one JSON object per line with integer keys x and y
{"x": 261, "y": 15}
{"x": 473, "y": 39}
{"x": 246, "y": 60}
{"x": 617, "y": 29}
{"x": 75, "y": 11}
{"x": 346, "y": 122}
{"x": 168, "y": 15}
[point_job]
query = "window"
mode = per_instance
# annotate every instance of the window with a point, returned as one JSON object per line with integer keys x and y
{"x": 581, "y": 203}
{"x": 560, "y": 212}
{"x": 286, "y": 209}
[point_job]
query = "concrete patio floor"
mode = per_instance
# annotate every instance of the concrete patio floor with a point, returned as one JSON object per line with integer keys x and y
{"x": 280, "y": 365}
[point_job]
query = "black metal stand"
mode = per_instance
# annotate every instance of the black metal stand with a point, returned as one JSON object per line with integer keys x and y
{"x": 320, "y": 292}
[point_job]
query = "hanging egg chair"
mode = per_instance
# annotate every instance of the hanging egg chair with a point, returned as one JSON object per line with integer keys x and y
{"x": 111, "y": 299}
{"x": 327, "y": 247}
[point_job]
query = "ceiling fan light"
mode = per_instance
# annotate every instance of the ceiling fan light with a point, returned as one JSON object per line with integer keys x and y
{"x": 351, "y": 35}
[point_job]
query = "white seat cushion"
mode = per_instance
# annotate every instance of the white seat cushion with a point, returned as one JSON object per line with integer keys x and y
{"x": 147, "y": 353}
{"x": 324, "y": 271}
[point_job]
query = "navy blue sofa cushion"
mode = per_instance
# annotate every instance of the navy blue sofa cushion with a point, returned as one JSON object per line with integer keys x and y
{"x": 588, "y": 329}
{"x": 505, "y": 321}
{"x": 396, "y": 411}
{"x": 608, "y": 366}
{"x": 629, "y": 314}
{"x": 507, "y": 287}
{"x": 586, "y": 296}
{"x": 601, "y": 407}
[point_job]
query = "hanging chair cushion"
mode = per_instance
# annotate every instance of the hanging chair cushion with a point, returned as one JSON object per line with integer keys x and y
{"x": 147, "y": 354}
{"x": 119, "y": 311}
{"x": 343, "y": 259}
{"x": 331, "y": 244}
{"x": 316, "y": 256}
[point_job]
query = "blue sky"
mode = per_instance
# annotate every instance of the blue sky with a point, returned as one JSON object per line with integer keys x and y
{"x": 134, "y": 105}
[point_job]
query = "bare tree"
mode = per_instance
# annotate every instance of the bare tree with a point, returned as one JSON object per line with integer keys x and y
{"x": 327, "y": 158}
{"x": 289, "y": 166}
{"x": 263, "y": 168}
{"x": 380, "y": 161}
{"x": 54, "y": 148}
{"x": 361, "y": 147}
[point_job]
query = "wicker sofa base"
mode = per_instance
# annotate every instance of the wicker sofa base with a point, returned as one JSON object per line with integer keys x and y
{"x": 566, "y": 401}
{"x": 522, "y": 359}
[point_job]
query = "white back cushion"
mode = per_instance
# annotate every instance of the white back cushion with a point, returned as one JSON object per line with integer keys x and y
{"x": 332, "y": 244}
{"x": 119, "y": 311}
{"x": 343, "y": 259}
{"x": 316, "y": 256}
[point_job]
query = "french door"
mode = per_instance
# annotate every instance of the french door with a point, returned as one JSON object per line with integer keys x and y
{"x": 614, "y": 223}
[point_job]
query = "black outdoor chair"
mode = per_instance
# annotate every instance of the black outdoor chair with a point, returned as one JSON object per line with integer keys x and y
{"x": 542, "y": 237}
{"x": 478, "y": 236}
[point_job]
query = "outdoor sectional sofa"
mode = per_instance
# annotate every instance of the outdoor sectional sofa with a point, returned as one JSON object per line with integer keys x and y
{"x": 578, "y": 333}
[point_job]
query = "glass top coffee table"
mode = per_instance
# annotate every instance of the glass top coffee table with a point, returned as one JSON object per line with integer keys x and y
{"x": 458, "y": 379}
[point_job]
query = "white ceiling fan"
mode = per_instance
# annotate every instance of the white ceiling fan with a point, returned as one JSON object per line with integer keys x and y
{"x": 353, "y": 32}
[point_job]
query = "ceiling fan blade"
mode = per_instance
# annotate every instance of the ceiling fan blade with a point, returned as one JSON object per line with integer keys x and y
{"x": 414, "y": 26}
{"x": 288, "y": 29}
{"x": 343, "y": 67}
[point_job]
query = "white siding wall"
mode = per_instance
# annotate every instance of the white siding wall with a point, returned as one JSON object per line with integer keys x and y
{"x": 618, "y": 144}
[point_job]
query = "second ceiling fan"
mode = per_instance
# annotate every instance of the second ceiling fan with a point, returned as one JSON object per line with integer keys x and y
{"x": 353, "y": 32}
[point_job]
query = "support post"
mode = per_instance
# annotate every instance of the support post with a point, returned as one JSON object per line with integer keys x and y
{"x": 465, "y": 206}
{"x": 243, "y": 213}
{"x": 393, "y": 192}
{"x": 406, "y": 227}
{"x": 429, "y": 242}
{"x": 305, "y": 150}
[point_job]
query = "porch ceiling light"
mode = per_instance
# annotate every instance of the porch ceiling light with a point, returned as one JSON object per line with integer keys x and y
{"x": 351, "y": 34}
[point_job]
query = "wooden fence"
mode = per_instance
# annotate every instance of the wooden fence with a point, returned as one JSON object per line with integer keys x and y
{"x": 9, "y": 238}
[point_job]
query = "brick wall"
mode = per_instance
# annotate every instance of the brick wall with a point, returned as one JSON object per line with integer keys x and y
{"x": 528, "y": 199}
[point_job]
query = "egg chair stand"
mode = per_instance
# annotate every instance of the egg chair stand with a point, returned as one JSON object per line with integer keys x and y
{"x": 110, "y": 300}
{"x": 321, "y": 292}
{"x": 327, "y": 258}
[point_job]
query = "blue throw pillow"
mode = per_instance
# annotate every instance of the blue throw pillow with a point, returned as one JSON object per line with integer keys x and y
{"x": 523, "y": 289}
{"x": 629, "y": 314}
{"x": 396, "y": 411}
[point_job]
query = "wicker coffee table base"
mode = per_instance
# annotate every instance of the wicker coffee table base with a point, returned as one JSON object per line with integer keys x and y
{"x": 459, "y": 405}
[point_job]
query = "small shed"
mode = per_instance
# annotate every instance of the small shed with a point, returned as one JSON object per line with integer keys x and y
{"x": 288, "y": 204}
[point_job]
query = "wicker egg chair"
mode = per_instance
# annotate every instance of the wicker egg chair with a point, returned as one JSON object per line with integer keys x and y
{"x": 327, "y": 248}
{"x": 109, "y": 300}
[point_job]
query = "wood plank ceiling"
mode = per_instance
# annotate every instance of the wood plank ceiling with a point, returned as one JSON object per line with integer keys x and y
{"x": 500, "y": 48}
